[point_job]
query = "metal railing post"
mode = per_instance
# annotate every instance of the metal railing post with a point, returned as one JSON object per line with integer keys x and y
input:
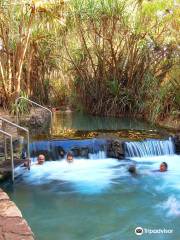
{"x": 5, "y": 147}
{"x": 22, "y": 128}
{"x": 28, "y": 144}
{"x": 12, "y": 158}
{"x": 35, "y": 103}
{"x": 11, "y": 153}
{"x": 5, "y": 144}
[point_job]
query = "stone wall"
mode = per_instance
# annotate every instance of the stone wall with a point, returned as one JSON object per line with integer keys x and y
{"x": 12, "y": 224}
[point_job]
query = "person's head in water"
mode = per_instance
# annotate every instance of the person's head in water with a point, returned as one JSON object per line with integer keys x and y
{"x": 69, "y": 157}
{"x": 163, "y": 167}
{"x": 41, "y": 159}
{"x": 132, "y": 169}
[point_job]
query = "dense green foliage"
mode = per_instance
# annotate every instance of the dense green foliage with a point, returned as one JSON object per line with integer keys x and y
{"x": 108, "y": 57}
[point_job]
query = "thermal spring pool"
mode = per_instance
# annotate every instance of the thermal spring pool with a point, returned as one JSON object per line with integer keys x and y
{"x": 98, "y": 199}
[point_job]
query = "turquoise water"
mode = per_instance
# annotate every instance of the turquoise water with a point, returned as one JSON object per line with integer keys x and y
{"x": 99, "y": 200}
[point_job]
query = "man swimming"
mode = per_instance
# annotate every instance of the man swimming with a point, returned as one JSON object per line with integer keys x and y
{"x": 163, "y": 167}
{"x": 132, "y": 170}
{"x": 40, "y": 159}
{"x": 69, "y": 157}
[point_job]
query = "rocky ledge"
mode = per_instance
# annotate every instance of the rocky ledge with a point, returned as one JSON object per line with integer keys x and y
{"x": 177, "y": 144}
{"x": 12, "y": 224}
{"x": 115, "y": 149}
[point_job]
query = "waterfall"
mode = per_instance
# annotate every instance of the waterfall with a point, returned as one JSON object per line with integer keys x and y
{"x": 150, "y": 147}
{"x": 57, "y": 149}
{"x": 98, "y": 155}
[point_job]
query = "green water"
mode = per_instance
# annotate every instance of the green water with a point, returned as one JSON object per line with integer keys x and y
{"x": 77, "y": 125}
{"x": 83, "y": 121}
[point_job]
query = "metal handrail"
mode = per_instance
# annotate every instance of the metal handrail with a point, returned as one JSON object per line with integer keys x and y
{"x": 35, "y": 103}
{"x": 12, "y": 152}
{"x": 22, "y": 128}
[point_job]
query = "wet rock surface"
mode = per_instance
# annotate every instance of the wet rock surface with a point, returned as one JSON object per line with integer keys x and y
{"x": 12, "y": 225}
{"x": 39, "y": 118}
{"x": 177, "y": 144}
{"x": 115, "y": 149}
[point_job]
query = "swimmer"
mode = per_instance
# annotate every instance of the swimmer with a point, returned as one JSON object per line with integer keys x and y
{"x": 69, "y": 157}
{"x": 132, "y": 170}
{"x": 163, "y": 167}
{"x": 40, "y": 159}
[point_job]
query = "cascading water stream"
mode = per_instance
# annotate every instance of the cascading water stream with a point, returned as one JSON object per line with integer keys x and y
{"x": 149, "y": 147}
{"x": 98, "y": 155}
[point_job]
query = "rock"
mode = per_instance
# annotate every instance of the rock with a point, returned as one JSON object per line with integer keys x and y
{"x": 115, "y": 149}
{"x": 59, "y": 152}
{"x": 177, "y": 144}
{"x": 12, "y": 225}
{"x": 80, "y": 152}
{"x": 36, "y": 120}
{"x": 13, "y": 236}
{"x": 3, "y": 195}
{"x": 39, "y": 118}
{"x": 84, "y": 152}
{"x": 75, "y": 151}
{"x": 1, "y": 236}
{"x": 16, "y": 225}
{"x": 9, "y": 209}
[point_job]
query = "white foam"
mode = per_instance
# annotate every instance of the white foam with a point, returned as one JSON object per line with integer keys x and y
{"x": 169, "y": 179}
{"x": 172, "y": 206}
{"x": 85, "y": 174}
{"x": 153, "y": 163}
{"x": 98, "y": 155}
{"x": 90, "y": 176}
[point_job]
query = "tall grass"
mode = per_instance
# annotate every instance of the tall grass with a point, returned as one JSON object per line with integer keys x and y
{"x": 121, "y": 56}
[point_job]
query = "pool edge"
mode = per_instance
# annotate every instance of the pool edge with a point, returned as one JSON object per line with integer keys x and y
{"x": 12, "y": 224}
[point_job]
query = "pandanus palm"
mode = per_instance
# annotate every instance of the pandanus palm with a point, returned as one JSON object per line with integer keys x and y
{"x": 23, "y": 30}
{"x": 118, "y": 45}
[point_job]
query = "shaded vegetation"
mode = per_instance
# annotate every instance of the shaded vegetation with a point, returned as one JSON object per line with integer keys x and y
{"x": 107, "y": 57}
